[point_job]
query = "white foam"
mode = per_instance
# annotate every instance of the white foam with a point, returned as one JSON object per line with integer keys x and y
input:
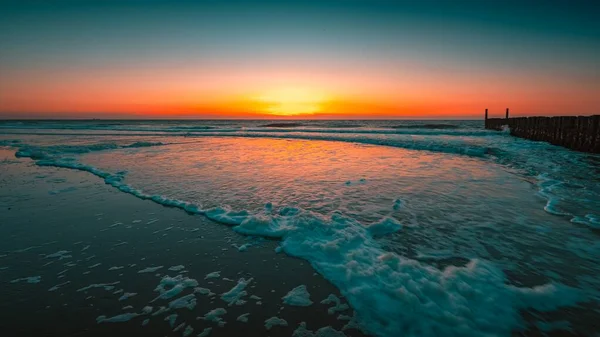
{"x": 160, "y": 311}
{"x": 215, "y": 316}
{"x": 243, "y": 247}
{"x": 179, "y": 327}
{"x": 187, "y": 301}
{"x": 61, "y": 254}
{"x": 204, "y": 291}
{"x": 384, "y": 227}
{"x": 332, "y": 299}
{"x": 23, "y": 250}
{"x": 590, "y": 220}
{"x": 149, "y": 269}
{"x": 234, "y": 295}
{"x": 172, "y": 318}
{"x": 176, "y": 268}
{"x": 30, "y": 279}
{"x": 379, "y": 284}
{"x": 275, "y": 321}
{"x": 170, "y": 287}
{"x": 106, "y": 286}
{"x": 298, "y": 296}
{"x": 56, "y": 287}
{"x": 243, "y": 318}
{"x": 188, "y": 331}
{"x": 118, "y": 318}
{"x": 327, "y": 331}
{"x": 214, "y": 274}
{"x": 205, "y": 332}
{"x": 126, "y": 296}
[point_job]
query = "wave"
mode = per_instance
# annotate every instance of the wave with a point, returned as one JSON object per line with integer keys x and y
{"x": 244, "y": 131}
{"x": 281, "y": 125}
{"x": 433, "y": 144}
{"x": 118, "y": 128}
{"x": 329, "y": 127}
{"x": 551, "y": 166}
{"x": 425, "y": 126}
{"x": 453, "y": 146}
{"x": 416, "y": 132}
{"x": 540, "y": 160}
{"x": 45, "y": 152}
{"x": 390, "y": 294}
{"x": 340, "y": 125}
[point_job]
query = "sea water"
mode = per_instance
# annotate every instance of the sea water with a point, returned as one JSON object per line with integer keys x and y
{"x": 427, "y": 228}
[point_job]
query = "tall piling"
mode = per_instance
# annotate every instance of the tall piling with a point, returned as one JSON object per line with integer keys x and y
{"x": 486, "y": 118}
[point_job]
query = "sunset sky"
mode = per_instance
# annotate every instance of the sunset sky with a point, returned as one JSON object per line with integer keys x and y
{"x": 298, "y": 59}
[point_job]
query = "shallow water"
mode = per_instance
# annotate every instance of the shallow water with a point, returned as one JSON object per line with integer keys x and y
{"x": 427, "y": 228}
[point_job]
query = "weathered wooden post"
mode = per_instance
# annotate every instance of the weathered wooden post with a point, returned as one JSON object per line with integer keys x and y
{"x": 507, "y": 114}
{"x": 486, "y": 119}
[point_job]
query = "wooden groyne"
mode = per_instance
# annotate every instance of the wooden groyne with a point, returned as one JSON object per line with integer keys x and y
{"x": 580, "y": 133}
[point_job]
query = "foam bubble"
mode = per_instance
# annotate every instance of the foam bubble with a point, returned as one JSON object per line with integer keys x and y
{"x": 275, "y": 321}
{"x": 298, "y": 296}
{"x": 332, "y": 299}
{"x": 188, "y": 301}
{"x": 170, "y": 287}
{"x": 118, "y": 318}
{"x": 205, "y": 333}
{"x": 172, "y": 318}
{"x": 243, "y": 318}
{"x": 214, "y": 274}
{"x": 105, "y": 286}
{"x": 327, "y": 331}
{"x": 235, "y": 294}
{"x": 149, "y": 269}
{"x": 126, "y": 296}
{"x": 215, "y": 316}
{"x": 30, "y": 279}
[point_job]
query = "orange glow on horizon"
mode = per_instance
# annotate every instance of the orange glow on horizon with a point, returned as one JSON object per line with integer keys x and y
{"x": 290, "y": 101}
{"x": 279, "y": 92}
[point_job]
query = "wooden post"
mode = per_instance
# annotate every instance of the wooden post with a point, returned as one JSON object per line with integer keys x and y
{"x": 507, "y": 113}
{"x": 486, "y": 119}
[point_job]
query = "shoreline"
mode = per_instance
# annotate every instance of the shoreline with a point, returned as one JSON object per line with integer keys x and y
{"x": 139, "y": 239}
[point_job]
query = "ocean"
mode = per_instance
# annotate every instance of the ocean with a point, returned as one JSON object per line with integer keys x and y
{"x": 379, "y": 228}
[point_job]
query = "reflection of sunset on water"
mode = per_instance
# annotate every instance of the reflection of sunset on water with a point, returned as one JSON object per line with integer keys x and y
{"x": 317, "y": 175}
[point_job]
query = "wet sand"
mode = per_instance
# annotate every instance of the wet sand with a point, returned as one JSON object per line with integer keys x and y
{"x": 47, "y": 211}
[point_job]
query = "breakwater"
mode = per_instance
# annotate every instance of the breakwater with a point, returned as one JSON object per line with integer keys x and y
{"x": 580, "y": 133}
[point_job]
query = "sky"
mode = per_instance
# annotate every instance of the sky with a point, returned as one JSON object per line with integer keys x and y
{"x": 298, "y": 59}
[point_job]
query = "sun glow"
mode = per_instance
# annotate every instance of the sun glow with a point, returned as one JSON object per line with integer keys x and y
{"x": 291, "y": 101}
